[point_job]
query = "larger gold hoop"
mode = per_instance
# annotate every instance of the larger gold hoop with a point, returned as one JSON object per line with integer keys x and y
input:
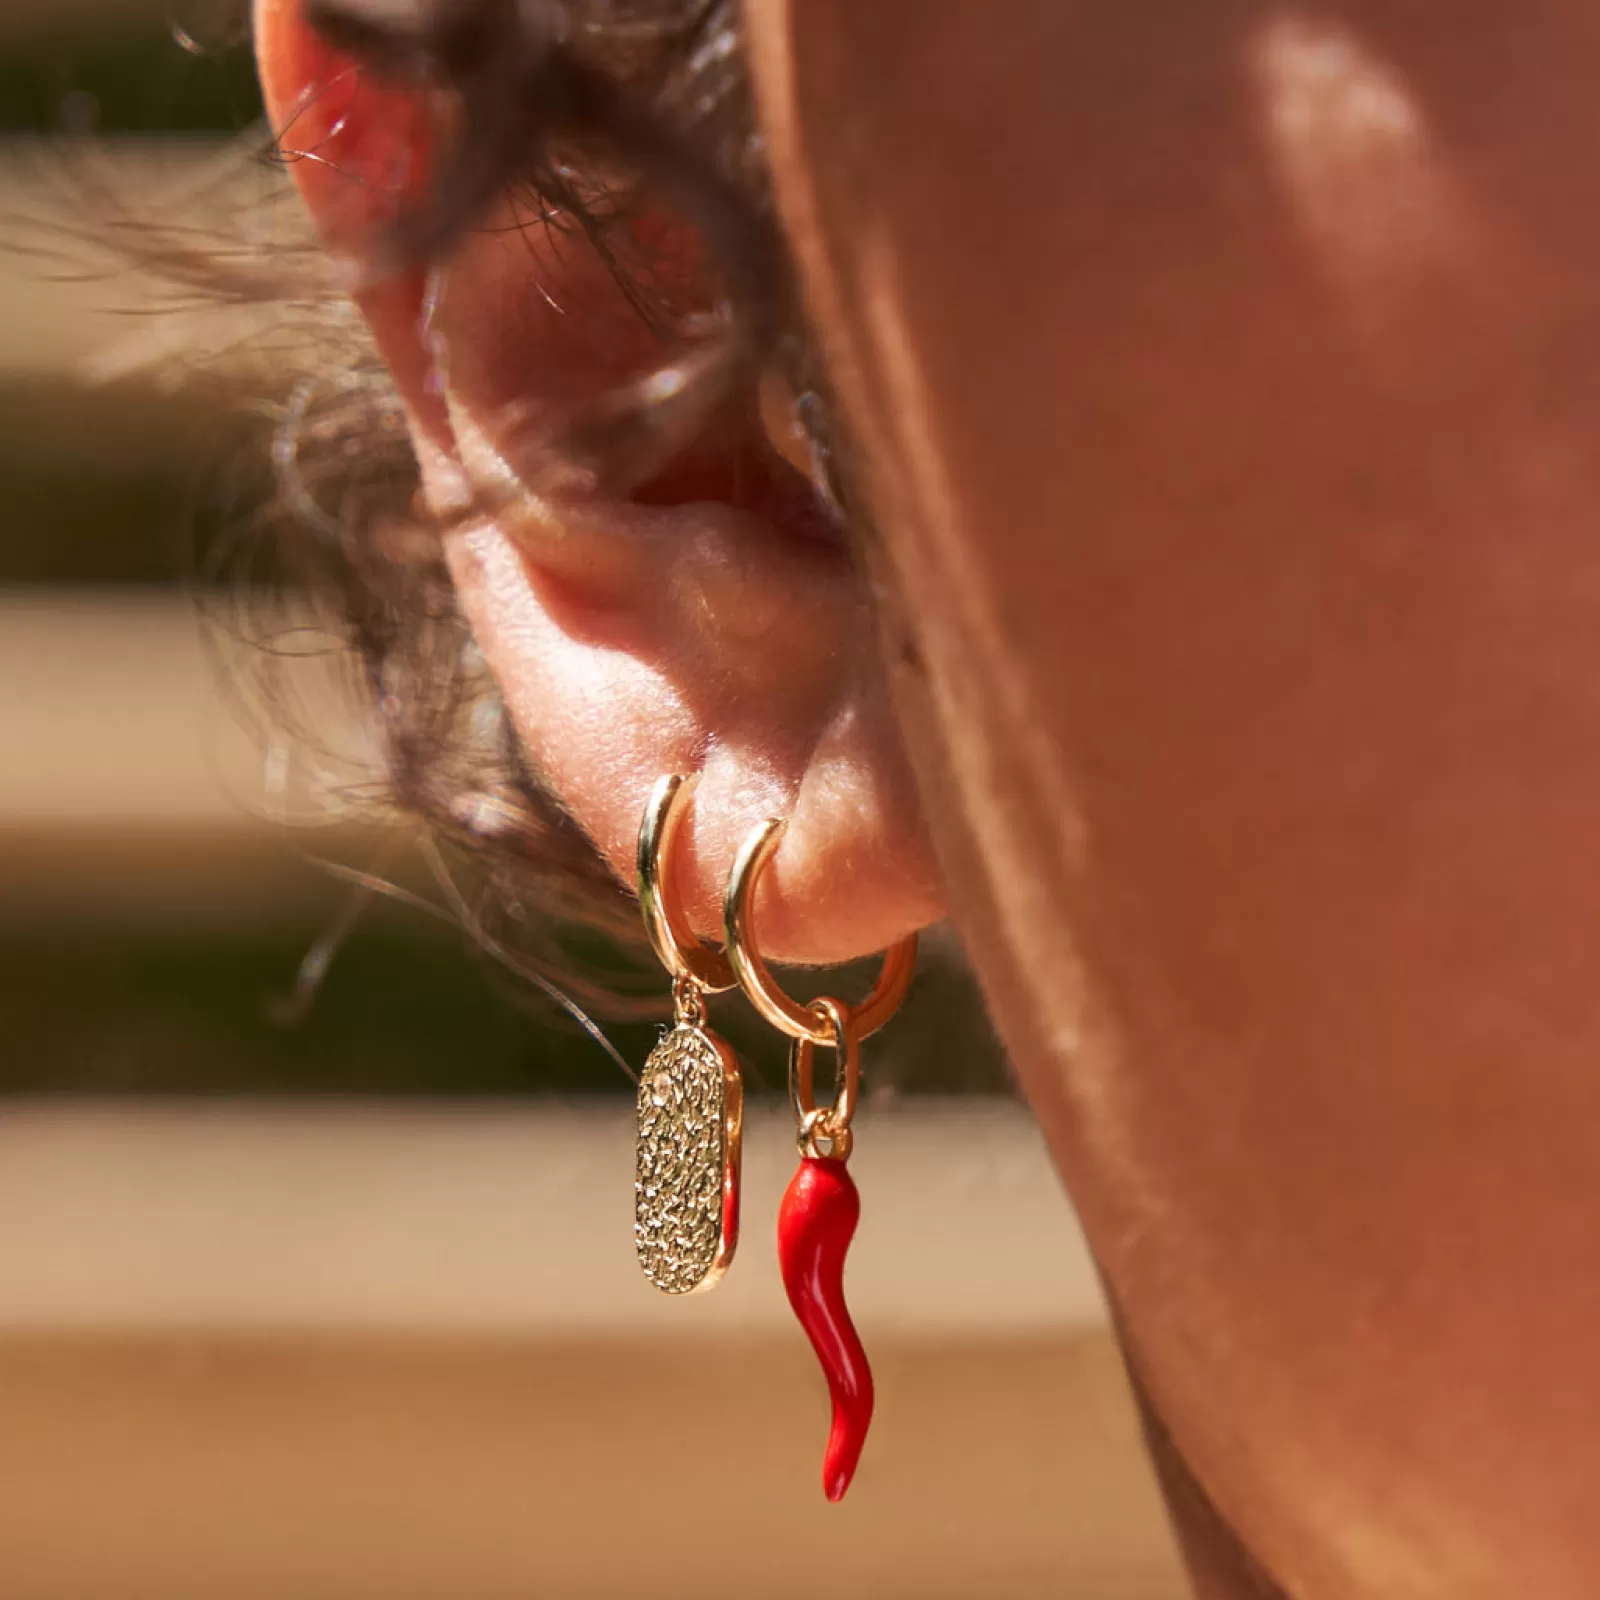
{"x": 675, "y": 945}
{"x": 755, "y": 978}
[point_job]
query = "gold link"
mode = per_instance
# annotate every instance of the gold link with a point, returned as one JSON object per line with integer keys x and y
{"x": 832, "y": 1122}
{"x": 818, "y": 1129}
{"x": 688, "y": 1002}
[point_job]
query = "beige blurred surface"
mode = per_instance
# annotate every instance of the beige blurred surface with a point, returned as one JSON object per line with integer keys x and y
{"x": 192, "y": 1468}
{"x": 322, "y": 1353}
{"x": 112, "y": 715}
{"x": 76, "y": 214}
{"x": 129, "y": 783}
{"x": 505, "y": 1220}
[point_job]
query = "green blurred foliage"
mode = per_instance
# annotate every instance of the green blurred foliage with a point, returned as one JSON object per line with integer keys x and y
{"x": 124, "y": 74}
{"x": 118, "y": 486}
{"x": 406, "y": 1008}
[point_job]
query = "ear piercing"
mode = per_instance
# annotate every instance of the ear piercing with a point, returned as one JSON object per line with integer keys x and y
{"x": 691, "y": 1096}
{"x": 689, "y": 1117}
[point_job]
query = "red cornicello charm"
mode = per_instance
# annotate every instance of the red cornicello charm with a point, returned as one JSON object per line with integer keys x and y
{"x": 821, "y": 1208}
{"x": 816, "y": 1223}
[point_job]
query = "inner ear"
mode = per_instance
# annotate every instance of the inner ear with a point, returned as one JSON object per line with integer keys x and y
{"x": 675, "y": 600}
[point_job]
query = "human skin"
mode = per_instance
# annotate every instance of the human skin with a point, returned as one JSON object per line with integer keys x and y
{"x": 628, "y": 640}
{"x": 1224, "y": 385}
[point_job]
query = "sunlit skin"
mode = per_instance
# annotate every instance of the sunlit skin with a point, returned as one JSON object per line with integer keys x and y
{"x": 1225, "y": 383}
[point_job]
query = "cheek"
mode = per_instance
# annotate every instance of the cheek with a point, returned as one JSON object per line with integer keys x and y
{"x": 1248, "y": 533}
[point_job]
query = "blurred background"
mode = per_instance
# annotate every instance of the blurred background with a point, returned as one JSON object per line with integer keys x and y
{"x": 315, "y": 1289}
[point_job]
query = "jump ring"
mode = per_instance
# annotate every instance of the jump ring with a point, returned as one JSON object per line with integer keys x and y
{"x": 833, "y": 1120}
{"x": 815, "y": 1128}
{"x": 755, "y": 977}
{"x": 683, "y": 955}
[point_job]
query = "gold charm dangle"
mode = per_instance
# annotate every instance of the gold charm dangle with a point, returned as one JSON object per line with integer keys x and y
{"x": 686, "y": 1175}
{"x": 691, "y": 1095}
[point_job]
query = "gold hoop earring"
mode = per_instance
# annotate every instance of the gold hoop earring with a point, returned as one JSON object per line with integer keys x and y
{"x": 821, "y": 1207}
{"x": 675, "y": 946}
{"x": 754, "y": 976}
{"x": 690, "y": 1106}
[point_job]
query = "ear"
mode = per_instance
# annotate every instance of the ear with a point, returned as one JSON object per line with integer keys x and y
{"x": 709, "y": 620}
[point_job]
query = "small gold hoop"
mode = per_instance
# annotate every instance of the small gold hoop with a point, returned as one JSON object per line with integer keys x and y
{"x": 675, "y": 946}
{"x": 834, "y": 1121}
{"x": 755, "y": 977}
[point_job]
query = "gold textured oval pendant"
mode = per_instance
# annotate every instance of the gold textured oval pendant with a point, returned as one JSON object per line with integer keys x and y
{"x": 686, "y": 1181}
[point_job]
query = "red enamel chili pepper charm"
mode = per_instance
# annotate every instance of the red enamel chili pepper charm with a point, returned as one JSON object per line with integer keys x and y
{"x": 816, "y": 1223}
